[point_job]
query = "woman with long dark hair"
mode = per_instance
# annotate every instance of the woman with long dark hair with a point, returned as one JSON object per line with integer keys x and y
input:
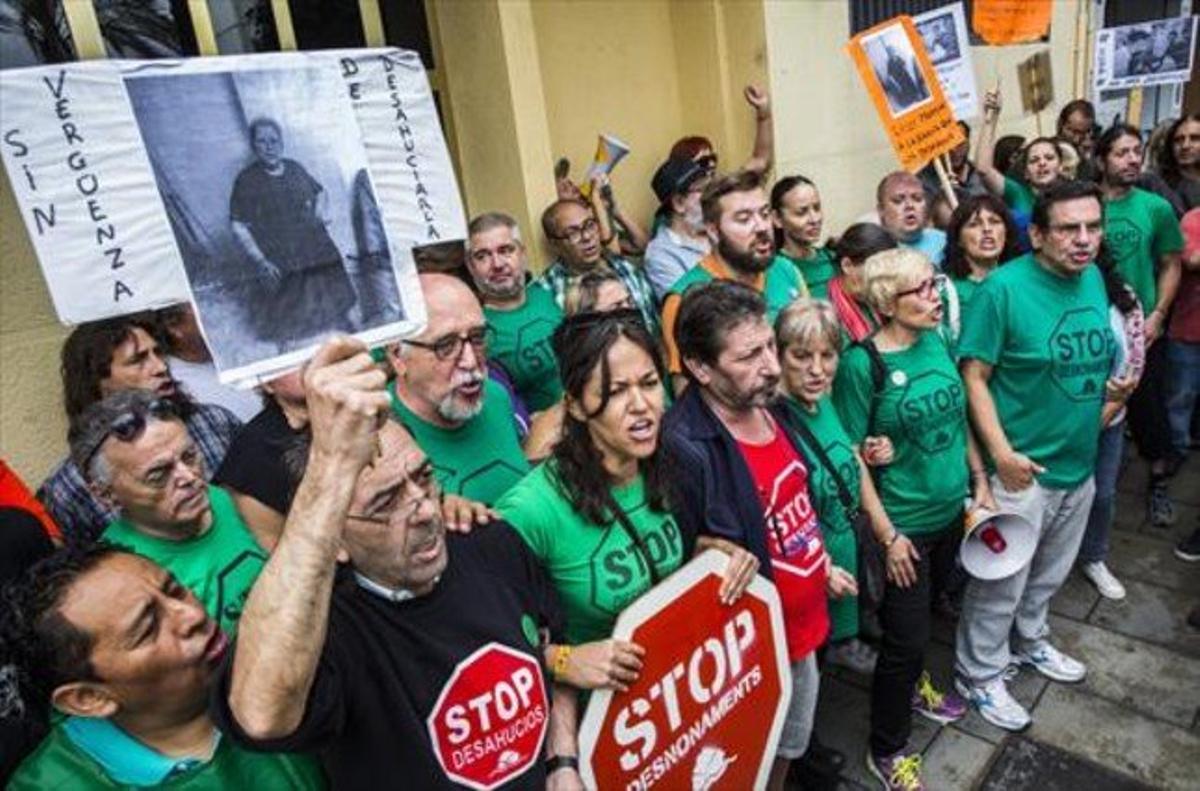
{"x": 796, "y": 213}
{"x": 981, "y": 235}
{"x": 1179, "y": 161}
{"x": 1126, "y": 318}
{"x": 596, "y": 513}
{"x": 847, "y": 291}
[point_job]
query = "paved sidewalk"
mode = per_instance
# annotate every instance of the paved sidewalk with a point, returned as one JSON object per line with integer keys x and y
{"x": 1133, "y": 723}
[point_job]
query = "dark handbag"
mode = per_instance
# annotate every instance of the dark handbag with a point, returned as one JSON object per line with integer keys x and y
{"x": 872, "y": 574}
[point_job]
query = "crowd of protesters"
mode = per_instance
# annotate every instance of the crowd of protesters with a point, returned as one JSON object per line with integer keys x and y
{"x": 212, "y": 592}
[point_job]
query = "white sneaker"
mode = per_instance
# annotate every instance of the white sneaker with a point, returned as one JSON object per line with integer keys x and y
{"x": 1109, "y": 586}
{"x": 994, "y": 703}
{"x": 1052, "y": 663}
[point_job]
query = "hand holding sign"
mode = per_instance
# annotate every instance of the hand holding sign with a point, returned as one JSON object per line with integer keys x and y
{"x": 346, "y": 396}
{"x": 604, "y": 664}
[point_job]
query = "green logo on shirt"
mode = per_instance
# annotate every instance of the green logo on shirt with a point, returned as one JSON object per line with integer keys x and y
{"x": 618, "y": 568}
{"x": 1081, "y": 350}
{"x": 1123, "y": 237}
{"x": 233, "y": 585}
{"x": 533, "y": 345}
{"x": 931, "y": 410}
{"x": 842, "y": 457}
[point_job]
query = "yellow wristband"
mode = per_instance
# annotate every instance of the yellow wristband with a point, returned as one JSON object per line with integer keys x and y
{"x": 560, "y": 662}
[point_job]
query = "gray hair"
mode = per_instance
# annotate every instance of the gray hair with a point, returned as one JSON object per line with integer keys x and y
{"x": 806, "y": 320}
{"x": 490, "y": 221}
{"x": 89, "y": 431}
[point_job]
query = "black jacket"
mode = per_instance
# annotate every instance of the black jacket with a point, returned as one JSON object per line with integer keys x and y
{"x": 713, "y": 490}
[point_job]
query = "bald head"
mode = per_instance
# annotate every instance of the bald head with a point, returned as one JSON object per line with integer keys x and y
{"x": 447, "y": 298}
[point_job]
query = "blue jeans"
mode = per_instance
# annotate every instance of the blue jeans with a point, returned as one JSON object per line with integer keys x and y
{"x": 1183, "y": 386}
{"x": 1108, "y": 465}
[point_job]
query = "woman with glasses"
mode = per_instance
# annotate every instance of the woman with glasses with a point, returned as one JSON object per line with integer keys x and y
{"x": 596, "y": 513}
{"x": 981, "y": 235}
{"x": 902, "y": 382}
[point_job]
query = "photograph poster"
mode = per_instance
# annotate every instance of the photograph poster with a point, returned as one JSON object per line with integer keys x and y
{"x": 944, "y": 31}
{"x": 900, "y": 78}
{"x": 1148, "y": 53}
{"x": 285, "y": 194}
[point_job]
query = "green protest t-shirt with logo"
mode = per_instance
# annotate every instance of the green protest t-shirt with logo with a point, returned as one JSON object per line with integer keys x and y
{"x": 816, "y": 271}
{"x": 479, "y": 460}
{"x": 1049, "y": 342}
{"x": 922, "y": 408}
{"x": 219, "y": 566}
{"x": 598, "y": 570}
{"x": 1139, "y": 230}
{"x": 836, "y": 529}
{"x": 58, "y": 764}
{"x": 522, "y": 345}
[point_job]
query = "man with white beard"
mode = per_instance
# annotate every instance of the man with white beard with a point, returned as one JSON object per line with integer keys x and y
{"x": 680, "y": 242}
{"x": 462, "y": 420}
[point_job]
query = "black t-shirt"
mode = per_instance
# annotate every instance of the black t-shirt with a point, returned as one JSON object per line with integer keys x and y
{"x": 254, "y": 464}
{"x": 385, "y": 664}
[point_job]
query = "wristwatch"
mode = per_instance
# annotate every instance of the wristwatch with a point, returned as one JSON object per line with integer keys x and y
{"x": 561, "y": 762}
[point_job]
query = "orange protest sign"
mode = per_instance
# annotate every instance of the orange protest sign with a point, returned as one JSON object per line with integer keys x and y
{"x": 1011, "y": 21}
{"x": 904, "y": 86}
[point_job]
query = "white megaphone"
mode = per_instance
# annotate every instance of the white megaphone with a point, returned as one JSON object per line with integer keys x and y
{"x": 996, "y": 545}
{"x": 609, "y": 151}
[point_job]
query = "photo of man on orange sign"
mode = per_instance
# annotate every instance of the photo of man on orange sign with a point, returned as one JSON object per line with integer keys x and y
{"x": 899, "y": 76}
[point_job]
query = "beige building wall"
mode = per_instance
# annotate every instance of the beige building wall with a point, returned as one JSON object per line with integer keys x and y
{"x": 825, "y": 125}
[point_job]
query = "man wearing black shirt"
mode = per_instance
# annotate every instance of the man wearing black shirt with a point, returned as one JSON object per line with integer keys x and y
{"x": 419, "y": 663}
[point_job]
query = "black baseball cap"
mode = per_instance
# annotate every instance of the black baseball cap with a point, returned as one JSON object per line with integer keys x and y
{"x": 675, "y": 176}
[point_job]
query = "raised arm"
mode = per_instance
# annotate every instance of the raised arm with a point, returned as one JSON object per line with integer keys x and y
{"x": 282, "y": 630}
{"x": 985, "y": 154}
{"x": 763, "y": 155}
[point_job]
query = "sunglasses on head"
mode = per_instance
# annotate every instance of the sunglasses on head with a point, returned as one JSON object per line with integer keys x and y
{"x": 130, "y": 424}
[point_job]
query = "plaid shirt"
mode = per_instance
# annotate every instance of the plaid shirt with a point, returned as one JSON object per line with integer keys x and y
{"x": 557, "y": 276}
{"x": 83, "y": 518}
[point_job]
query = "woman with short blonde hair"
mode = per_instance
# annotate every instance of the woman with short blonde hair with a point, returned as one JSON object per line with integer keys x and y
{"x": 902, "y": 382}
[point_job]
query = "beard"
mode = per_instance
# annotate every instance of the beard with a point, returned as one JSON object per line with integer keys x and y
{"x": 452, "y": 409}
{"x": 745, "y": 260}
{"x": 502, "y": 293}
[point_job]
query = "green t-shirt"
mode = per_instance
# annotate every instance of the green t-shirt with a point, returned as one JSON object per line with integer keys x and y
{"x": 58, "y": 763}
{"x": 597, "y": 570}
{"x": 781, "y": 285}
{"x": 836, "y": 529}
{"x": 965, "y": 288}
{"x": 922, "y": 408}
{"x": 816, "y": 271}
{"x": 1140, "y": 229}
{"x": 479, "y": 460}
{"x": 1018, "y": 197}
{"x": 522, "y": 345}
{"x": 219, "y": 566}
{"x": 1050, "y": 345}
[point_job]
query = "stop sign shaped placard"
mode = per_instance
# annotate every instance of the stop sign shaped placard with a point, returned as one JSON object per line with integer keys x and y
{"x": 490, "y": 721}
{"x": 708, "y": 708}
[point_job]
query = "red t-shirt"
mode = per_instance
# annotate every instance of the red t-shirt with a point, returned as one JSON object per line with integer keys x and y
{"x": 794, "y": 539}
{"x": 1185, "y": 318}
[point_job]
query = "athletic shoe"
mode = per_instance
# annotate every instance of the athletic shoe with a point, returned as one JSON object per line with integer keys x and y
{"x": 853, "y": 654}
{"x": 1189, "y": 548}
{"x": 941, "y": 707}
{"x": 994, "y": 703}
{"x": 1109, "y": 586}
{"x": 1052, "y": 663}
{"x": 1162, "y": 510}
{"x": 897, "y": 772}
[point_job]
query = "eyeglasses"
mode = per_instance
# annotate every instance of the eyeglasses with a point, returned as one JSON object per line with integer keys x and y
{"x": 450, "y": 347}
{"x": 575, "y": 233}
{"x": 926, "y": 289}
{"x": 130, "y": 424}
{"x": 398, "y": 508}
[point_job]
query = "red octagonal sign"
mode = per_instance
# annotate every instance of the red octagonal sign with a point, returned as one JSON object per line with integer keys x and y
{"x": 490, "y": 720}
{"x": 708, "y": 708}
